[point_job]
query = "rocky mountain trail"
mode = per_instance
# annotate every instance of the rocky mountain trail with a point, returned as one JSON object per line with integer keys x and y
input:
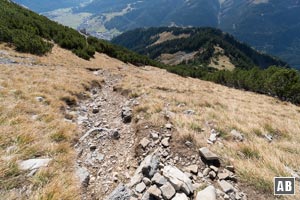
{"x": 105, "y": 149}
{"x": 119, "y": 158}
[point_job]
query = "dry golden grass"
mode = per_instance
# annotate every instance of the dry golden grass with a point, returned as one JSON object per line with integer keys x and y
{"x": 228, "y": 109}
{"x": 50, "y": 136}
{"x": 38, "y": 129}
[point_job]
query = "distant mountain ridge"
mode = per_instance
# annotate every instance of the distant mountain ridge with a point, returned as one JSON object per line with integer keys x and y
{"x": 194, "y": 46}
{"x": 270, "y": 26}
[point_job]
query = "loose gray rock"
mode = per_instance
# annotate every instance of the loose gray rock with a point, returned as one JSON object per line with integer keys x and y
{"x": 165, "y": 142}
{"x": 192, "y": 169}
{"x": 39, "y": 99}
{"x": 206, "y": 171}
{"x": 207, "y": 154}
{"x": 116, "y": 134}
{"x": 237, "y": 135}
{"x": 95, "y": 110}
{"x": 147, "y": 181}
{"x": 178, "y": 179}
{"x": 189, "y": 112}
{"x": 212, "y": 175}
{"x": 214, "y": 168}
{"x": 126, "y": 114}
{"x": 209, "y": 193}
{"x": 92, "y": 131}
{"x": 120, "y": 193}
{"x": 140, "y": 187}
{"x": 223, "y": 176}
{"x": 167, "y": 191}
{"x": 83, "y": 175}
{"x": 147, "y": 168}
{"x": 154, "y": 191}
{"x": 168, "y": 126}
{"x": 154, "y": 135}
{"x": 32, "y": 164}
{"x": 144, "y": 142}
{"x": 269, "y": 137}
{"x": 159, "y": 179}
{"x": 226, "y": 187}
{"x": 180, "y": 196}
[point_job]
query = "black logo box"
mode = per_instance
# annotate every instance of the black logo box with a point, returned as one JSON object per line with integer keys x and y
{"x": 284, "y": 186}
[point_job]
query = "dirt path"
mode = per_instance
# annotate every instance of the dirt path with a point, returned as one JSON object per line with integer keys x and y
{"x": 105, "y": 151}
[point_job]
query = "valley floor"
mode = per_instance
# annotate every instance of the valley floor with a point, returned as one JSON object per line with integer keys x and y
{"x": 68, "y": 110}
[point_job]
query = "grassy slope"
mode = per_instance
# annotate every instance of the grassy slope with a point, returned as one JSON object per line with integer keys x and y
{"x": 65, "y": 76}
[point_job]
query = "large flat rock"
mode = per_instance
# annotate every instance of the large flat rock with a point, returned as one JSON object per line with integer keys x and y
{"x": 209, "y": 193}
{"x": 179, "y": 180}
{"x": 207, "y": 154}
{"x": 32, "y": 164}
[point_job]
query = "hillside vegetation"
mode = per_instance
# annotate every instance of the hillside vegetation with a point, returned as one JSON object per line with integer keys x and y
{"x": 31, "y": 128}
{"x": 33, "y": 33}
{"x": 200, "y": 40}
{"x": 253, "y": 71}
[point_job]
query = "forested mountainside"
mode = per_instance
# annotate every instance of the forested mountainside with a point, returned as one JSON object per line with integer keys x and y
{"x": 205, "y": 45}
{"x": 33, "y": 33}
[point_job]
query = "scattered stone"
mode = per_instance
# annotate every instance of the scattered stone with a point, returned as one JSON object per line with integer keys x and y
{"x": 189, "y": 112}
{"x": 93, "y": 147}
{"x": 83, "y": 175}
{"x": 120, "y": 193}
{"x": 180, "y": 196}
{"x": 209, "y": 193}
{"x": 206, "y": 171}
{"x": 192, "y": 168}
{"x": 95, "y": 110}
{"x": 226, "y": 187}
{"x": 188, "y": 144}
{"x": 39, "y": 99}
{"x": 90, "y": 132}
{"x": 70, "y": 115}
{"x": 269, "y": 137}
{"x": 159, "y": 179}
{"x": 214, "y": 168}
{"x": 147, "y": 181}
{"x": 178, "y": 179}
{"x": 140, "y": 187}
{"x": 212, "y": 138}
{"x": 154, "y": 191}
{"x": 223, "y": 176}
{"x": 144, "y": 142}
{"x": 32, "y": 164}
{"x": 167, "y": 191}
{"x": 237, "y": 135}
{"x": 230, "y": 168}
{"x": 212, "y": 175}
{"x": 168, "y": 126}
{"x": 165, "y": 142}
{"x": 207, "y": 154}
{"x": 115, "y": 177}
{"x": 116, "y": 134}
{"x": 126, "y": 114}
{"x": 147, "y": 168}
{"x": 154, "y": 135}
